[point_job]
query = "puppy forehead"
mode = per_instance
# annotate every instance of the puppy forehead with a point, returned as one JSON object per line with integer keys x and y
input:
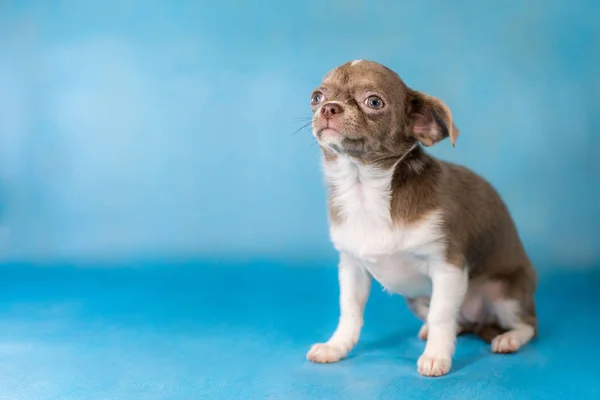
{"x": 362, "y": 74}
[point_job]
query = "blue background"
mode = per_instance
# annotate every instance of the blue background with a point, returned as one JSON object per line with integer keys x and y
{"x": 131, "y": 128}
{"x": 160, "y": 135}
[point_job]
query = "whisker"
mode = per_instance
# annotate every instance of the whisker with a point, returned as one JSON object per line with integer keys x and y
{"x": 300, "y": 122}
{"x": 301, "y": 119}
{"x": 302, "y": 127}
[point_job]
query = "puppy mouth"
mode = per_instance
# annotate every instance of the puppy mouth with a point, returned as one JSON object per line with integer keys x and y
{"x": 341, "y": 144}
{"x": 328, "y": 131}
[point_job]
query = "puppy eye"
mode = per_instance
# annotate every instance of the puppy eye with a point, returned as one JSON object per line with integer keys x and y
{"x": 374, "y": 102}
{"x": 316, "y": 98}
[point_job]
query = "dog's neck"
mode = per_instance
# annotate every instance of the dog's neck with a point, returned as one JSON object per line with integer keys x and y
{"x": 412, "y": 158}
{"x": 399, "y": 160}
{"x": 344, "y": 171}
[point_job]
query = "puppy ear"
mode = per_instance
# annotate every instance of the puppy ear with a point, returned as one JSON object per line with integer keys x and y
{"x": 430, "y": 120}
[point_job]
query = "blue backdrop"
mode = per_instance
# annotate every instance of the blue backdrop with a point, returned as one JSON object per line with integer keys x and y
{"x": 145, "y": 129}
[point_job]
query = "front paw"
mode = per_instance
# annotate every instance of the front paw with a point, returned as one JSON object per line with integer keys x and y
{"x": 434, "y": 365}
{"x": 326, "y": 353}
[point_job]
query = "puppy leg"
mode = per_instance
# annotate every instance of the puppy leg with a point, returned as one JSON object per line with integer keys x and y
{"x": 424, "y": 331}
{"x": 420, "y": 307}
{"x": 519, "y": 332}
{"x": 449, "y": 287}
{"x": 355, "y": 286}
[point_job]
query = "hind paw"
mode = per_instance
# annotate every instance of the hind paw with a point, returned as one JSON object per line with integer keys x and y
{"x": 506, "y": 343}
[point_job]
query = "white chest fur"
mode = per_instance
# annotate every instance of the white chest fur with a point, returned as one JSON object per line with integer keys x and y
{"x": 395, "y": 254}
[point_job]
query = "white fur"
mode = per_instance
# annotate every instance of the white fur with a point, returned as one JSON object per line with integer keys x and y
{"x": 511, "y": 341}
{"x": 395, "y": 254}
{"x": 450, "y": 285}
{"x": 353, "y": 63}
{"x": 405, "y": 259}
{"x": 355, "y": 285}
{"x": 507, "y": 312}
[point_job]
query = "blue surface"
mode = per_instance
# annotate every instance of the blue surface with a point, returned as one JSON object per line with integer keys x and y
{"x": 194, "y": 331}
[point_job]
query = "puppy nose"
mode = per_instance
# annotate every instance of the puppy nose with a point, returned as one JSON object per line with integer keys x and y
{"x": 331, "y": 109}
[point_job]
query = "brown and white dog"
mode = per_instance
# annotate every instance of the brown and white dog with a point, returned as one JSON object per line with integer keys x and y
{"x": 431, "y": 231}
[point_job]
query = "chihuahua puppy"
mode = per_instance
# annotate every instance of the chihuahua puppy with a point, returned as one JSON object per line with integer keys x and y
{"x": 431, "y": 231}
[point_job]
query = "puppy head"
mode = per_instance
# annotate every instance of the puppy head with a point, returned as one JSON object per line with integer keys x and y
{"x": 364, "y": 110}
